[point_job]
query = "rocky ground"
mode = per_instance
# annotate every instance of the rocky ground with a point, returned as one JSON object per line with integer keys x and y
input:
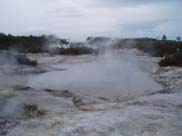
{"x": 27, "y": 111}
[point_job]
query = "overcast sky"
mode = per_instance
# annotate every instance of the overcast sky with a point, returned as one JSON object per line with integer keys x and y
{"x": 78, "y": 19}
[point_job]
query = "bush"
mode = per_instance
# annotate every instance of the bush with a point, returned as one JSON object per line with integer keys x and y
{"x": 172, "y": 60}
{"x": 76, "y": 51}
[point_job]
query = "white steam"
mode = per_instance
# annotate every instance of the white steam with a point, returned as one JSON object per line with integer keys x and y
{"x": 8, "y": 69}
{"x": 110, "y": 74}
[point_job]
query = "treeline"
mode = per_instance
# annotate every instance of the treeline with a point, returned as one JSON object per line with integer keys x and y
{"x": 22, "y": 43}
{"x": 44, "y": 43}
{"x": 28, "y": 44}
{"x": 154, "y": 47}
{"x": 158, "y": 48}
{"x": 37, "y": 44}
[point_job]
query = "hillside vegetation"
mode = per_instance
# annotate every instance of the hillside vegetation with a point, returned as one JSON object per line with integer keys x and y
{"x": 154, "y": 47}
{"x": 37, "y": 44}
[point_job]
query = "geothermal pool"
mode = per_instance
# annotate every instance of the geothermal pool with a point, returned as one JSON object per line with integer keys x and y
{"x": 106, "y": 75}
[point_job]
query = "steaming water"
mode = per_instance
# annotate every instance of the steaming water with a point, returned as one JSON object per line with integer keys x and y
{"x": 108, "y": 75}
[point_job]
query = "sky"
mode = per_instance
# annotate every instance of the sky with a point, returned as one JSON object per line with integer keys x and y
{"x": 78, "y": 19}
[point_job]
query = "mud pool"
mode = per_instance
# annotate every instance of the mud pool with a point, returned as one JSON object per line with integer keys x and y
{"x": 107, "y": 76}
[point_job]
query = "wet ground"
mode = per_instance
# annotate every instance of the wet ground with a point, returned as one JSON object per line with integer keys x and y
{"x": 110, "y": 95}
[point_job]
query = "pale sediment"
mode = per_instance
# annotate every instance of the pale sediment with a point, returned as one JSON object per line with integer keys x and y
{"x": 67, "y": 113}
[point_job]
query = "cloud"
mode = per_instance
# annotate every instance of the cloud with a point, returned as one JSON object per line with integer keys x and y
{"x": 124, "y": 3}
{"x": 81, "y": 18}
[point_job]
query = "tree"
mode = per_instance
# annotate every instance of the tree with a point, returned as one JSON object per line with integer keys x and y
{"x": 164, "y": 37}
{"x": 2, "y": 34}
{"x": 178, "y": 38}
